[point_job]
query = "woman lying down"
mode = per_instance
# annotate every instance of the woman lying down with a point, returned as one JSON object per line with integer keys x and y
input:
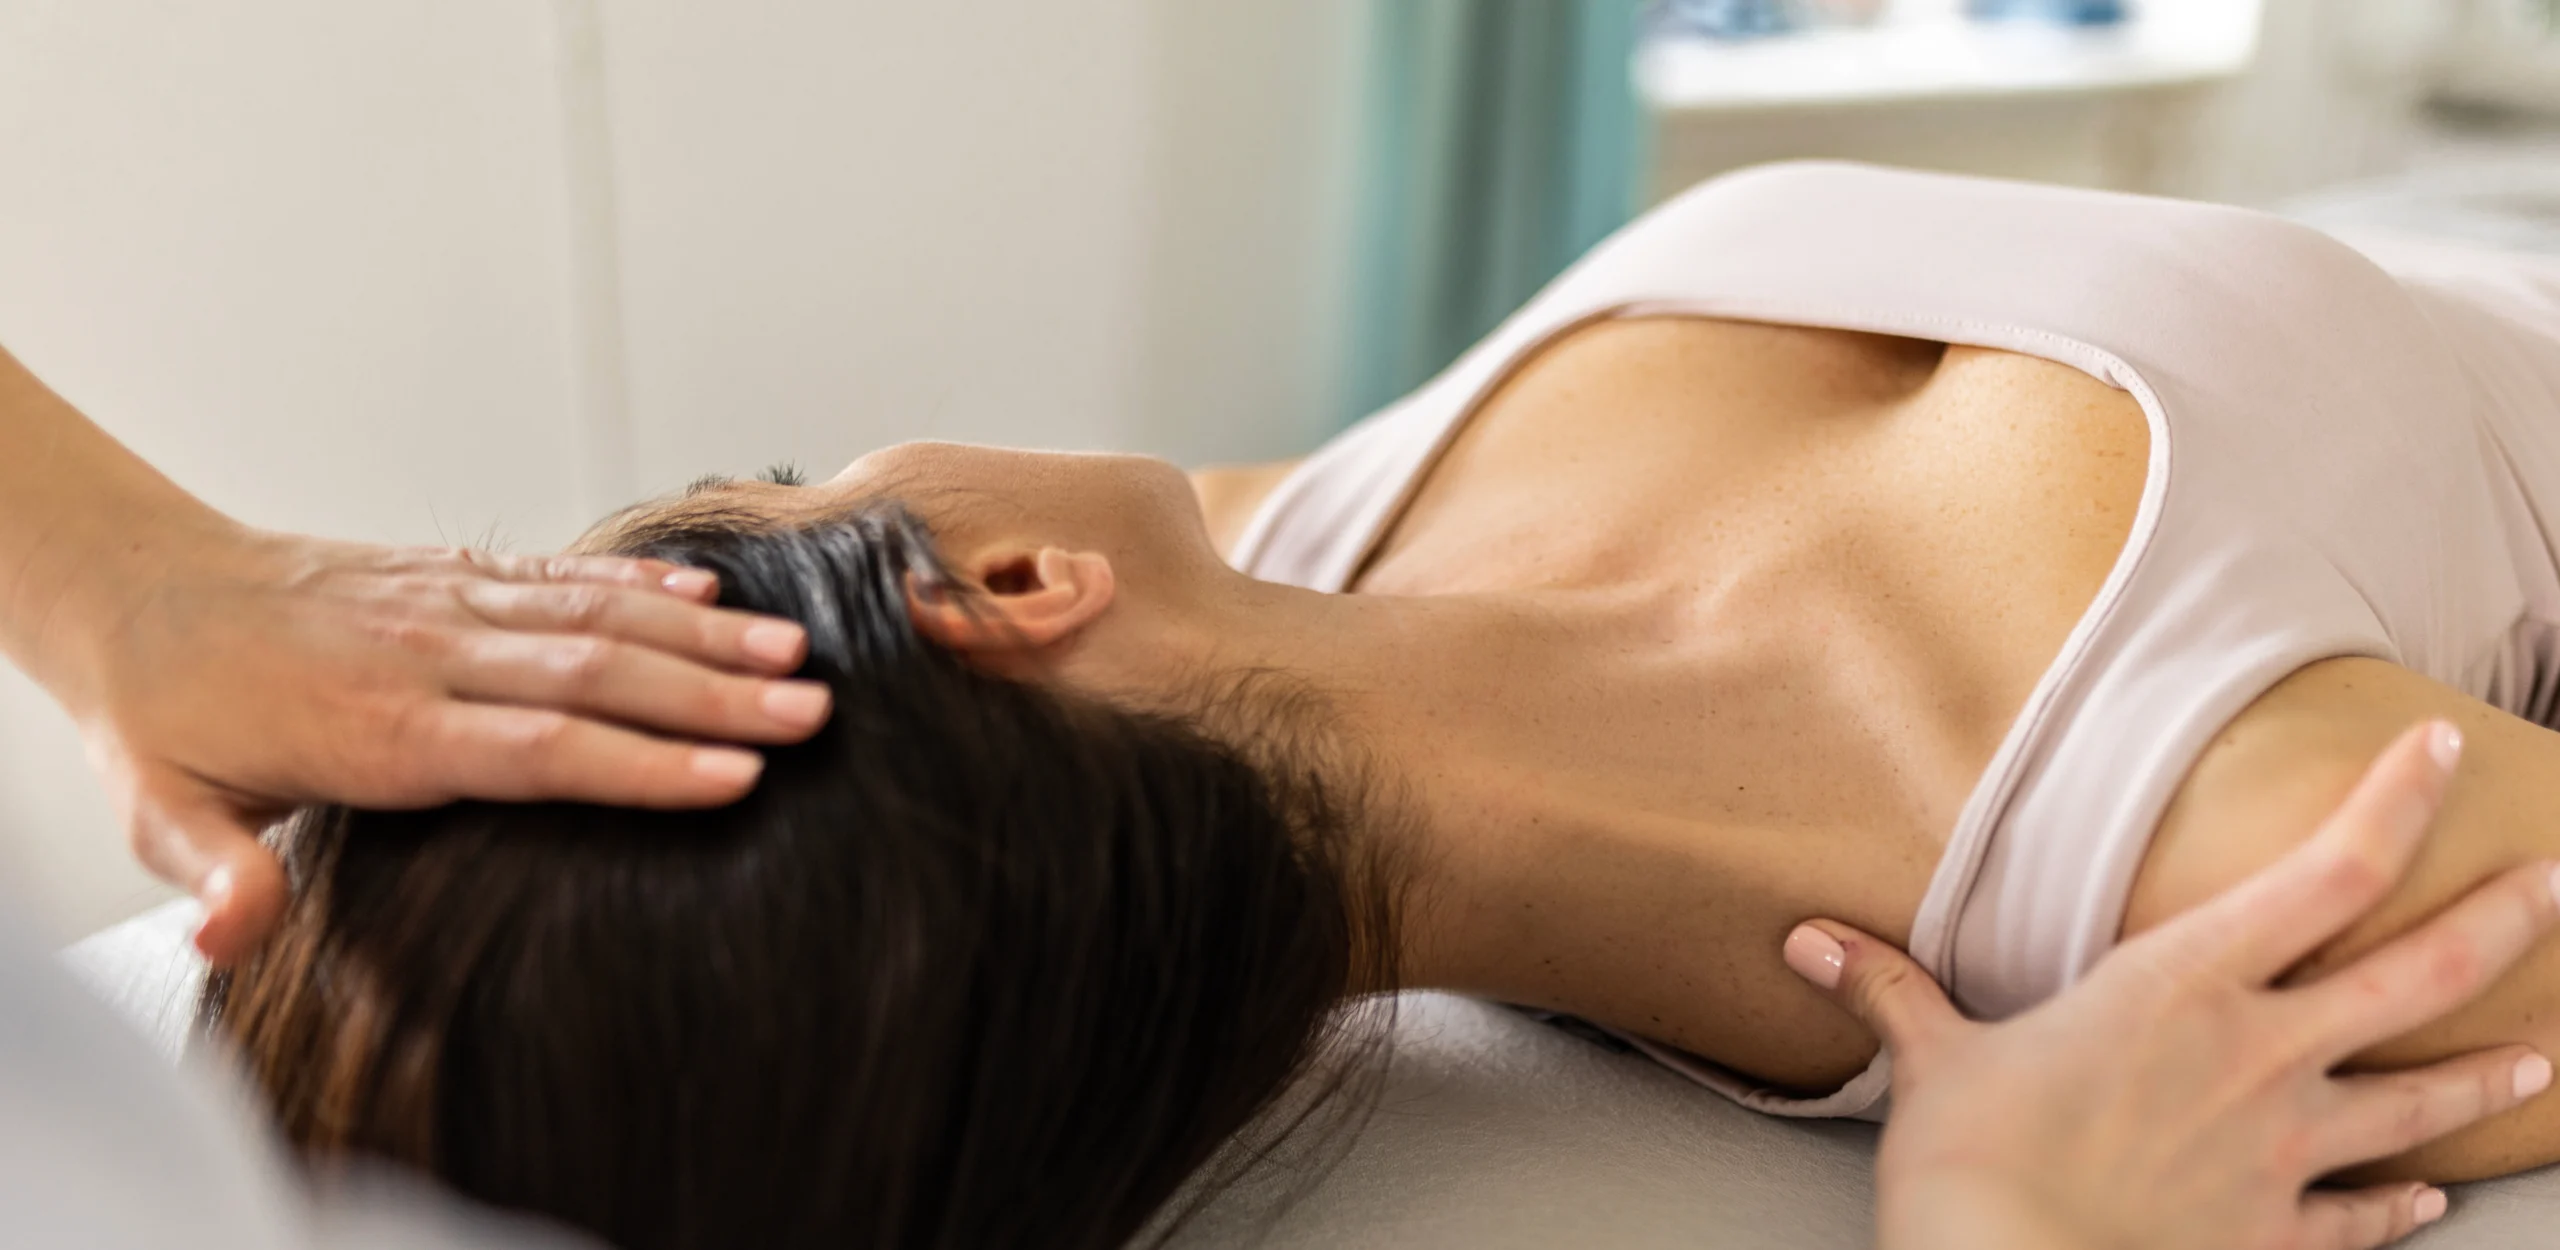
{"x": 1947, "y": 557}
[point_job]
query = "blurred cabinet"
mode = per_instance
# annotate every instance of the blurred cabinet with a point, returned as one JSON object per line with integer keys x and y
{"x": 2216, "y": 99}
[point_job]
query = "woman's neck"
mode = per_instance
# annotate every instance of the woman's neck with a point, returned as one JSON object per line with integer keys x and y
{"x": 1482, "y": 724}
{"x": 1609, "y": 803}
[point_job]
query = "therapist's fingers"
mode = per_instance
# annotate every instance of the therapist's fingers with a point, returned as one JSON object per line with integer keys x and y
{"x": 2428, "y": 971}
{"x": 2270, "y": 921}
{"x": 2383, "y": 1114}
{"x": 520, "y": 754}
{"x": 1885, "y": 989}
{"x": 2360, "y": 1219}
{"x": 244, "y": 897}
{"x": 632, "y": 685}
{"x": 699, "y": 585}
{"x": 200, "y": 842}
{"x": 741, "y": 641}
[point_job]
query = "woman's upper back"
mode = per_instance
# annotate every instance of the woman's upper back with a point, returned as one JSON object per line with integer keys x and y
{"x": 1850, "y": 498}
{"x": 1844, "y": 598}
{"x": 2278, "y": 371}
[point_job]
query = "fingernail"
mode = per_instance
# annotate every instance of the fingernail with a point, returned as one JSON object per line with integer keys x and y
{"x": 2445, "y": 743}
{"x": 215, "y": 889}
{"x": 727, "y": 764}
{"x": 798, "y": 704}
{"x": 1815, "y": 955}
{"x": 2533, "y": 1075}
{"x": 774, "y": 642}
{"x": 691, "y": 583}
{"x": 2429, "y": 1205}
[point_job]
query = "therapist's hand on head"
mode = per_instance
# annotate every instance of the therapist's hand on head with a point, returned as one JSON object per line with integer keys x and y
{"x": 2177, "y": 1097}
{"x": 256, "y": 672}
{"x": 223, "y": 675}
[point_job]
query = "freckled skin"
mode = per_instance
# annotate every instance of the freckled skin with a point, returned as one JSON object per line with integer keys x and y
{"x": 1700, "y": 628}
{"x": 1852, "y": 558}
{"x": 2291, "y": 758}
{"x": 1808, "y": 593}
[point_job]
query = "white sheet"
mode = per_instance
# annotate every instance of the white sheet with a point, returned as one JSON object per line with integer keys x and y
{"x": 1493, "y": 1131}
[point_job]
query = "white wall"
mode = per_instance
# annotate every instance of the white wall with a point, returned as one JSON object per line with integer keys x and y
{"x": 845, "y": 223}
{"x": 1250, "y": 203}
{"x": 425, "y": 270}
{"x": 1112, "y": 223}
{"x": 301, "y": 254}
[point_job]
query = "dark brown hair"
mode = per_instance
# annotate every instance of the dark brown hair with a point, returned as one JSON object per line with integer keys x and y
{"x": 980, "y": 965}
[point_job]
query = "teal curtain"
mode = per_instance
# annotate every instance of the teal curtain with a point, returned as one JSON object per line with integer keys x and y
{"x": 1502, "y": 139}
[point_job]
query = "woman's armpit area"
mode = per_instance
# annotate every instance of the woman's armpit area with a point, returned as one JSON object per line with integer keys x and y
{"x": 2271, "y": 778}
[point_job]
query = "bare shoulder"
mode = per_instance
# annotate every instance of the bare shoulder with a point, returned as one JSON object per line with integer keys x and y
{"x": 2278, "y": 769}
{"x": 2285, "y": 763}
{"x": 1231, "y": 494}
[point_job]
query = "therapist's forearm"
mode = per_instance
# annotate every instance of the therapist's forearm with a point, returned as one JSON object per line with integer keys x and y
{"x": 84, "y": 523}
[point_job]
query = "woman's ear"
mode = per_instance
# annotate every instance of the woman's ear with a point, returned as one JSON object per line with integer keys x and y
{"x": 1013, "y": 601}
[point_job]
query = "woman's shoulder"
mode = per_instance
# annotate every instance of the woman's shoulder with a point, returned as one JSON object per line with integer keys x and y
{"x": 2275, "y": 773}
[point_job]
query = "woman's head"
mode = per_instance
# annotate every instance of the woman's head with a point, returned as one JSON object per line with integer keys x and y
{"x": 1083, "y": 569}
{"x": 983, "y": 963}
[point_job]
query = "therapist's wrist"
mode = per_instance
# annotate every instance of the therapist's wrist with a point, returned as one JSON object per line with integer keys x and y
{"x": 1973, "y": 1210}
{"x": 78, "y": 595}
{"x": 87, "y": 531}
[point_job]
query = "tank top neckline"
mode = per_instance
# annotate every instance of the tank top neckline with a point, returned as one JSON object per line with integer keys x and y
{"x": 1461, "y": 392}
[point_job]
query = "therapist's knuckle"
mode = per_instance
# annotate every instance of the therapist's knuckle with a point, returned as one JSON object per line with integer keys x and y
{"x": 2265, "y": 1041}
{"x": 2290, "y": 1155}
{"x": 2355, "y": 873}
{"x": 424, "y": 602}
{"x": 2541, "y": 889}
{"x": 393, "y": 590}
{"x": 2455, "y": 960}
{"x": 405, "y": 632}
{"x": 414, "y": 725}
{"x": 2416, "y": 1108}
{"x": 716, "y": 699}
{"x": 581, "y": 606}
{"x": 578, "y": 666}
{"x": 2394, "y": 1217}
{"x": 1880, "y": 986}
{"x": 2367, "y": 1220}
{"x": 2531, "y": 892}
{"x": 2327, "y": 1227}
{"x": 2364, "y": 991}
{"x": 2482, "y": 1093}
{"x": 564, "y": 569}
{"x": 477, "y": 561}
{"x": 714, "y": 631}
{"x": 2287, "y": 1041}
{"x": 2284, "y": 1052}
{"x": 535, "y": 734}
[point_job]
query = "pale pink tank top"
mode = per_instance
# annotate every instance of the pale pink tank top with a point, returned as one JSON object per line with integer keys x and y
{"x": 2343, "y": 462}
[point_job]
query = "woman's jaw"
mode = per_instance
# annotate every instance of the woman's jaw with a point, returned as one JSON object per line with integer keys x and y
{"x": 1092, "y": 571}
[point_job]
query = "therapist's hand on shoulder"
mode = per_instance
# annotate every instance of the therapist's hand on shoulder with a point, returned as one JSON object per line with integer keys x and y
{"x": 2174, "y": 1099}
{"x": 252, "y": 672}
